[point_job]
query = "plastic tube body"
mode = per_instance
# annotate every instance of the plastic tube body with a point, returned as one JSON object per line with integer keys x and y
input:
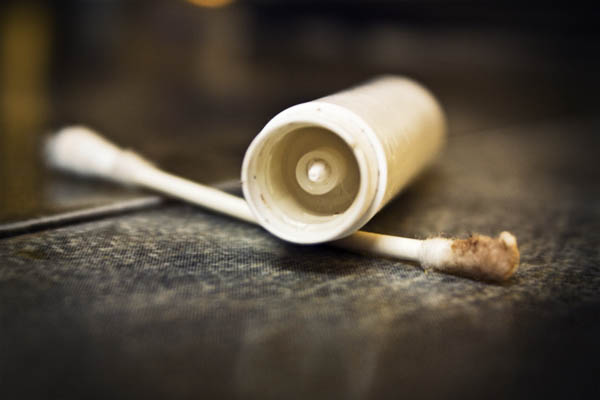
{"x": 383, "y": 133}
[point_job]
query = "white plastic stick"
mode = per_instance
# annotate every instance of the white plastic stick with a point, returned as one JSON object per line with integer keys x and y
{"x": 204, "y": 196}
{"x": 80, "y": 150}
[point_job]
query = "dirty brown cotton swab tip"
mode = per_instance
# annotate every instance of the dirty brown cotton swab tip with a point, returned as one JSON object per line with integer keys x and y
{"x": 478, "y": 256}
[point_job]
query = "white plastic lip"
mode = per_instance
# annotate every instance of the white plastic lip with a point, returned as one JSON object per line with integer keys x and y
{"x": 349, "y": 127}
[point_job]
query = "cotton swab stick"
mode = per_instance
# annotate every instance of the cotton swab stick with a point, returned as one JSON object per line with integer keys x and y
{"x": 79, "y": 150}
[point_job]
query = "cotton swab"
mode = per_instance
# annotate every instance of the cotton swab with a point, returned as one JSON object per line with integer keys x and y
{"x": 79, "y": 150}
{"x": 479, "y": 256}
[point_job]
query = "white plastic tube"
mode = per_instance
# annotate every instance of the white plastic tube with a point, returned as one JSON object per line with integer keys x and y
{"x": 319, "y": 171}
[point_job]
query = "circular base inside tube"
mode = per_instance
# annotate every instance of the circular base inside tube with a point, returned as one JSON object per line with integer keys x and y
{"x": 287, "y": 179}
{"x": 320, "y": 171}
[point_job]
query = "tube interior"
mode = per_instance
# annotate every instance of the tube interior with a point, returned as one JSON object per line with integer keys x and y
{"x": 288, "y": 198}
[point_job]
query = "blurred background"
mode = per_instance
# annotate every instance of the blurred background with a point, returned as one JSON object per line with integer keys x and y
{"x": 190, "y": 83}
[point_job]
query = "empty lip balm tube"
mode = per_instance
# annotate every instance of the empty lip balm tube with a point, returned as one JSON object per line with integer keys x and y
{"x": 319, "y": 171}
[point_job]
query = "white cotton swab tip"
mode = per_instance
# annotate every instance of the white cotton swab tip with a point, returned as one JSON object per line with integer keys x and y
{"x": 80, "y": 150}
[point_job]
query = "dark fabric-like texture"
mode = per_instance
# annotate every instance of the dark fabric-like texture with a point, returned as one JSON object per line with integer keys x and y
{"x": 176, "y": 302}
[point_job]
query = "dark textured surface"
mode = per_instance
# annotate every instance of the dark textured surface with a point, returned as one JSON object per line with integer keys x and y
{"x": 179, "y": 303}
